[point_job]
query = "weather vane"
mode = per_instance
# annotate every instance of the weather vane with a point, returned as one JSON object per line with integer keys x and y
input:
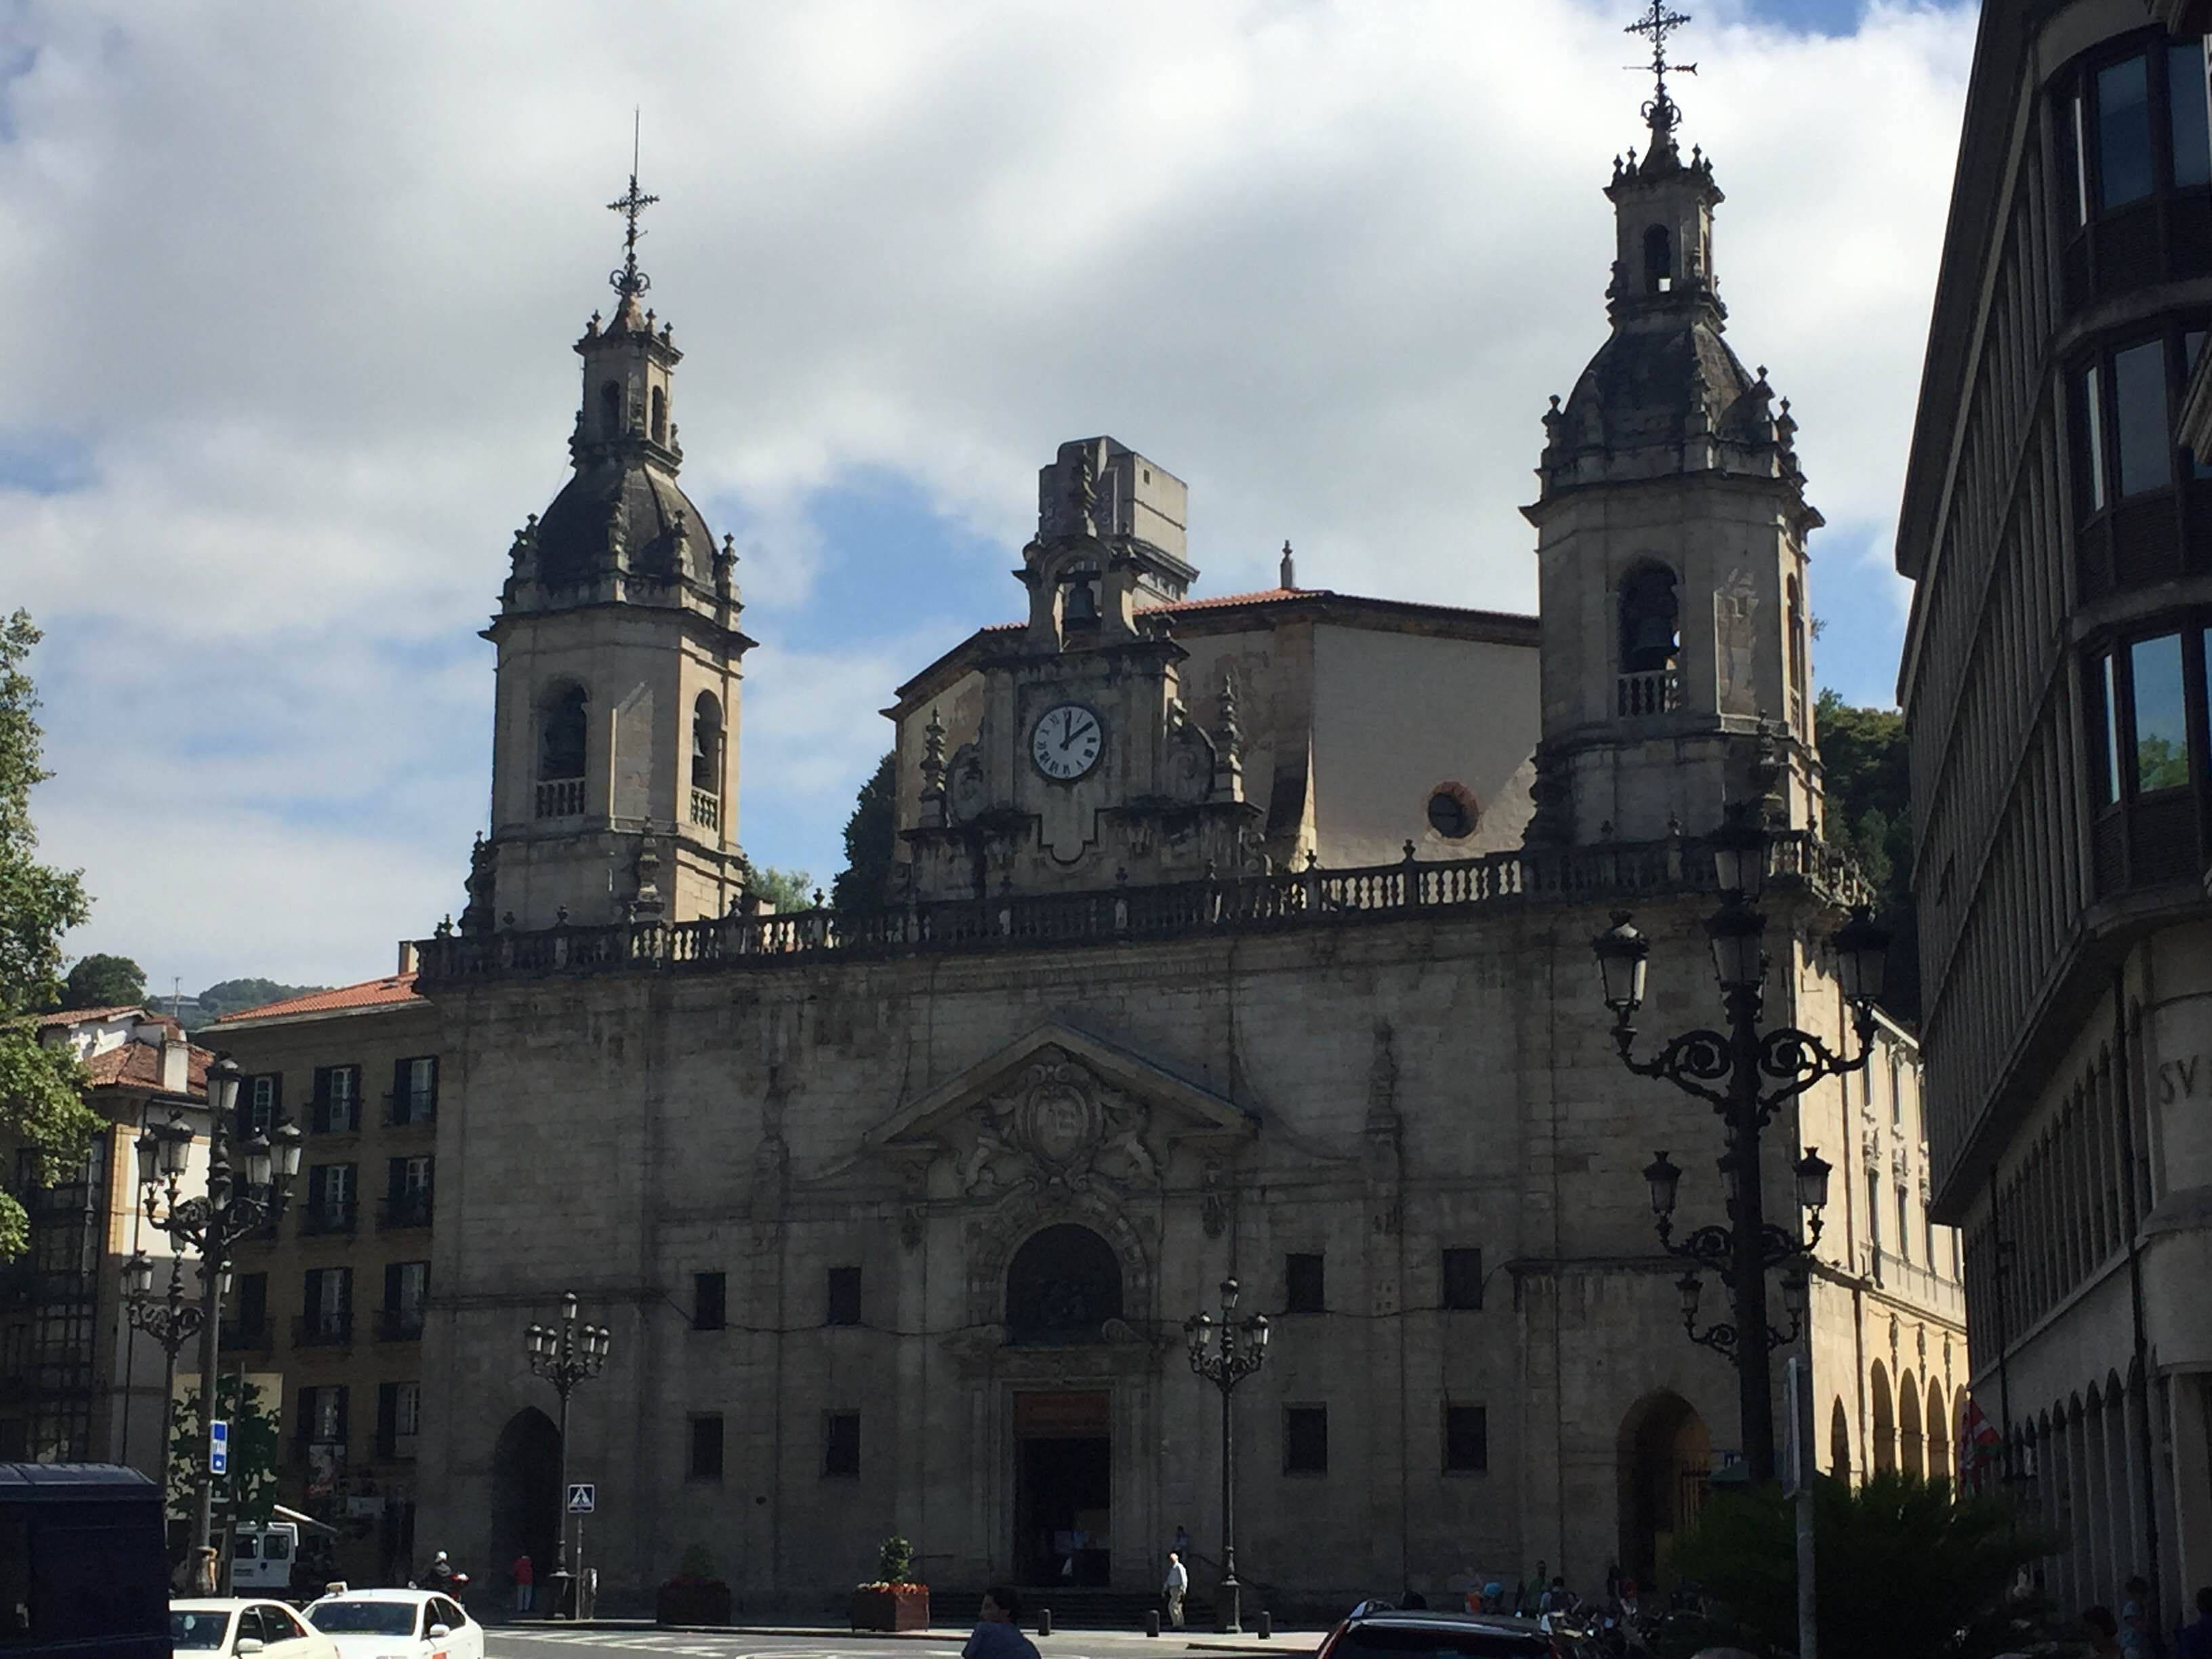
{"x": 1659, "y": 24}
{"x": 630, "y": 279}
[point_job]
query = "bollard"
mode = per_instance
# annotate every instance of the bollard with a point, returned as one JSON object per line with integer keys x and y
{"x": 1044, "y": 1621}
{"x": 1152, "y": 1622}
{"x": 1266, "y": 1627}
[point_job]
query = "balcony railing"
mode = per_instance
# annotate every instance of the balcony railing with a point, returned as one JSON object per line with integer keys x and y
{"x": 323, "y": 1330}
{"x": 1655, "y": 691}
{"x": 1627, "y": 873}
{"x": 328, "y": 1218}
{"x": 404, "y": 1210}
{"x": 400, "y": 1324}
{"x": 561, "y": 798}
{"x": 706, "y": 809}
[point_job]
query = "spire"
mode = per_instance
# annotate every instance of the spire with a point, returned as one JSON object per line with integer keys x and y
{"x": 1288, "y": 576}
{"x": 629, "y": 281}
{"x": 1661, "y": 113}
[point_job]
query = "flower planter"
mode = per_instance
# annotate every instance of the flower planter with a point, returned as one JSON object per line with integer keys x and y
{"x": 692, "y": 1602}
{"x": 891, "y": 1607}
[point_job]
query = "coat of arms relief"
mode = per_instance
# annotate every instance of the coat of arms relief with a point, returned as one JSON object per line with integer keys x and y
{"x": 1057, "y": 1126}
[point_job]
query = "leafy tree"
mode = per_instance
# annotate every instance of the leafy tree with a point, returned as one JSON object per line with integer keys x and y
{"x": 100, "y": 981}
{"x": 251, "y": 1481}
{"x": 1902, "y": 1566}
{"x": 871, "y": 833}
{"x": 230, "y": 995}
{"x": 786, "y": 889}
{"x": 40, "y": 1106}
{"x": 1869, "y": 789}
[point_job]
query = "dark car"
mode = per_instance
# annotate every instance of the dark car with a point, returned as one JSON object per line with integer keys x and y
{"x": 1373, "y": 1632}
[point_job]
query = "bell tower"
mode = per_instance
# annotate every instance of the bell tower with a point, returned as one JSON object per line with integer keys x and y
{"x": 1671, "y": 525}
{"x": 614, "y": 742}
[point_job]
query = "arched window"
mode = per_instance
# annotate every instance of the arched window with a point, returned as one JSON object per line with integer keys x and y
{"x": 659, "y": 416}
{"x": 1061, "y": 1288}
{"x": 1658, "y": 260}
{"x": 562, "y": 725}
{"x": 706, "y": 759}
{"x": 1839, "y": 1442}
{"x": 1650, "y": 640}
{"x": 610, "y": 401}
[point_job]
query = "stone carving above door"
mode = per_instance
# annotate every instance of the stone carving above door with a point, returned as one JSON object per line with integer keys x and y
{"x": 1059, "y": 1126}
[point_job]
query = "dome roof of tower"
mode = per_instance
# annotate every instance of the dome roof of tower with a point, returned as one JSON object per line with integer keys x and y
{"x": 665, "y": 535}
{"x": 1660, "y": 379}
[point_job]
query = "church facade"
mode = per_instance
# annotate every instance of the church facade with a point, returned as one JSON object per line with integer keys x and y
{"x": 1245, "y": 937}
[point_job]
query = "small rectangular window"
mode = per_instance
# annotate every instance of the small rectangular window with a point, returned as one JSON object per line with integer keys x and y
{"x": 1302, "y": 1289}
{"x": 1467, "y": 1439}
{"x": 2185, "y": 104}
{"x": 841, "y": 1443}
{"x": 2161, "y": 718}
{"x": 707, "y": 1447}
{"x": 1462, "y": 1278}
{"x": 259, "y": 1103}
{"x": 709, "y": 1293}
{"x": 2089, "y": 396}
{"x": 2142, "y": 431}
{"x": 1305, "y": 1440}
{"x": 2123, "y": 133}
{"x": 844, "y": 1297}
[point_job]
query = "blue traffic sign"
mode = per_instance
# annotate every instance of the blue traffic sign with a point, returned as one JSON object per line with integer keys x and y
{"x": 218, "y": 1448}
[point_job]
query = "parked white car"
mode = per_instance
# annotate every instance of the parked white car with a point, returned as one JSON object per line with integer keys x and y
{"x": 398, "y": 1623}
{"x": 235, "y": 1627}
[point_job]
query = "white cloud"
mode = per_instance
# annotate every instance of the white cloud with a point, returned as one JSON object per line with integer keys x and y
{"x": 301, "y": 280}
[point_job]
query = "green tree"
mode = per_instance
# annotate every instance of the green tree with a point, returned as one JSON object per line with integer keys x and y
{"x": 40, "y": 1106}
{"x": 251, "y": 1480}
{"x": 870, "y": 836}
{"x": 1867, "y": 765}
{"x": 100, "y": 981}
{"x": 1902, "y": 1566}
{"x": 230, "y": 995}
{"x": 786, "y": 889}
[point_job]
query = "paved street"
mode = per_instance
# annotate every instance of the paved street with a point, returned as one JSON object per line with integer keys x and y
{"x": 532, "y": 1644}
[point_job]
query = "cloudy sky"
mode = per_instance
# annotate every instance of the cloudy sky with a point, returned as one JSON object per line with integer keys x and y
{"x": 292, "y": 290}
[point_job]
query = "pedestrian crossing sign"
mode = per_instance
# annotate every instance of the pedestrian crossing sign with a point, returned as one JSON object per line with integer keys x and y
{"x": 583, "y": 1497}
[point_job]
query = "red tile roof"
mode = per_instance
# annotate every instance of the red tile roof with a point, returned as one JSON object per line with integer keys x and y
{"x": 397, "y": 987}
{"x": 138, "y": 1066}
{"x": 87, "y": 1016}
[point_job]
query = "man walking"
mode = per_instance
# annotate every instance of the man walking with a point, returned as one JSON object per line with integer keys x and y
{"x": 525, "y": 1582}
{"x": 999, "y": 1636}
{"x": 1175, "y": 1587}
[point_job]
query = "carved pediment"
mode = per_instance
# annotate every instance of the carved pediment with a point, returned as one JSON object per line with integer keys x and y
{"x": 1059, "y": 1110}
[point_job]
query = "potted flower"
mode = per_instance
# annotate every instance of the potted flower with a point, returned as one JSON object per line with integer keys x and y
{"x": 694, "y": 1596}
{"x": 894, "y": 1602}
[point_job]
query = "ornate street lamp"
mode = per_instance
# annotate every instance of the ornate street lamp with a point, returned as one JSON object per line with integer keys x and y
{"x": 1224, "y": 1353}
{"x": 211, "y": 1227}
{"x": 567, "y": 1356}
{"x": 1746, "y": 1075}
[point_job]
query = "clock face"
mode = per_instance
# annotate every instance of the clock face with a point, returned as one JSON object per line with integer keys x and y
{"x": 1065, "y": 743}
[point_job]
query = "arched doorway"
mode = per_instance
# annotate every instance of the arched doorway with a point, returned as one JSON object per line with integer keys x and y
{"x": 1882, "y": 1459}
{"x": 1063, "y": 1286}
{"x": 1910, "y": 1444}
{"x": 1839, "y": 1442}
{"x": 1940, "y": 1466}
{"x": 525, "y": 1489}
{"x": 1665, "y": 1459}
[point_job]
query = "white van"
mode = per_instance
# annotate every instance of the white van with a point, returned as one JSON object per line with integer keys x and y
{"x": 261, "y": 1558}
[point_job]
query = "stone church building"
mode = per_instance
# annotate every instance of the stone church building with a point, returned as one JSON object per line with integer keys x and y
{"x": 1239, "y": 936}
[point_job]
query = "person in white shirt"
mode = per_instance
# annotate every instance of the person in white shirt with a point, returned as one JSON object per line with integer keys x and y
{"x": 1175, "y": 1587}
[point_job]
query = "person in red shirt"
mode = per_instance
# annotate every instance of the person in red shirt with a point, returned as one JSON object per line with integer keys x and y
{"x": 525, "y": 1583}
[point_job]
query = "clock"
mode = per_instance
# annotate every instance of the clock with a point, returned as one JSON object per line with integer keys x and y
{"x": 1065, "y": 742}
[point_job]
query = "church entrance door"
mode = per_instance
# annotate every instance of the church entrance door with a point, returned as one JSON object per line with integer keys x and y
{"x": 1063, "y": 1487}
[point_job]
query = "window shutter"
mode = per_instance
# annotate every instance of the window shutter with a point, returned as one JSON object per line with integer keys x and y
{"x": 318, "y": 1117}
{"x": 392, "y": 1287}
{"x": 430, "y": 1102}
{"x": 395, "y": 1180}
{"x": 341, "y": 1392}
{"x": 311, "y": 1292}
{"x": 345, "y": 1291}
{"x": 306, "y": 1430}
{"x": 398, "y": 1113}
{"x": 387, "y": 1419}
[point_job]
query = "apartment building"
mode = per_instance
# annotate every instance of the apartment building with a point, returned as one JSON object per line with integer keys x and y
{"x": 331, "y": 1299}
{"x": 2058, "y": 526}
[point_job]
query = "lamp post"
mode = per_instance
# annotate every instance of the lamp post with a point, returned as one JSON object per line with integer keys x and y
{"x": 565, "y": 1355}
{"x": 1746, "y": 1075}
{"x": 212, "y": 1226}
{"x": 1224, "y": 1353}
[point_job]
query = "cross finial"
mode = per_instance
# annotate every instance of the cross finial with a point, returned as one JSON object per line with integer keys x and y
{"x": 1658, "y": 22}
{"x": 631, "y": 202}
